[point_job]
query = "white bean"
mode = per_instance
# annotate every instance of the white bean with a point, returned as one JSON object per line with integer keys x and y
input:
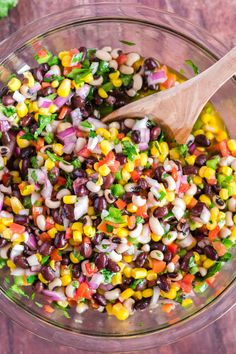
{"x": 132, "y": 58}
{"x": 93, "y": 187}
{"x": 97, "y": 82}
{"x": 186, "y": 242}
{"x": 170, "y": 267}
{"x": 16, "y": 251}
{"x": 129, "y": 305}
{"x": 113, "y": 64}
{"x": 192, "y": 190}
{"x": 107, "y": 49}
{"x": 112, "y": 294}
{"x": 115, "y": 125}
{"x": 81, "y": 307}
{"x": 178, "y": 212}
{"x": 225, "y": 232}
{"x": 169, "y": 238}
{"x": 115, "y": 256}
{"x": 137, "y": 82}
{"x": 232, "y": 204}
{"x": 157, "y": 255}
{"x": 129, "y": 123}
{"x": 121, "y": 248}
{"x": 109, "y": 197}
{"x": 202, "y": 271}
{"x": 180, "y": 203}
{"x": 229, "y": 218}
{"x": 33, "y": 260}
{"x": 51, "y": 204}
{"x": 129, "y": 187}
{"x": 146, "y": 248}
{"x": 54, "y": 284}
{"x": 179, "y": 277}
{"x": 127, "y": 70}
{"x": 65, "y": 167}
{"x": 131, "y": 92}
{"x": 138, "y": 200}
{"x": 41, "y": 222}
{"x": 226, "y": 161}
{"x": 115, "y": 53}
{"x": 145, "y": 235}
{"x": 103, "y": 55}
{"x": 171, "y": 183}
{"x": 137, "y": 231}
{"x": 70, "y": 290}
{"x": 4, "y": 251}
{"x": 62, "y": 193}
{"x": 155, "y": 226}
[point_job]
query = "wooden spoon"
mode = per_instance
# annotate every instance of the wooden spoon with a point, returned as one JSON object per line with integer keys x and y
{"x": 178, "y": 108}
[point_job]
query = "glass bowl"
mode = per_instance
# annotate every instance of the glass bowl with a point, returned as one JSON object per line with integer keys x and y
{"x": 172, "y": 40}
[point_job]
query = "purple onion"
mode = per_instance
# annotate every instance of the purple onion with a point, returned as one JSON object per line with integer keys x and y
{"x": 1, "y": 200}
{"x": 143, "y": 146}
{"x": 106, "y": 287}
{"x": 44, "y": 102}
{"x": 68, "y": 135}
{"x": 106, "y": 246}
{"x": 31, "y": 242}
{"x": 191, "y": 148}
{"x": 76, "y": 116}
{"x": 55, "y": 296}
{"x": 96, "y": 280}
{"x": 69, "y": 148}
{"x": 96, "y": 123}
{"x": 35, "y": 88}
{"x": 157, "y": 77}
{"x": 60, "y": 101}
{"x": 4, "y": 125}
{"x": 83, "y": 91}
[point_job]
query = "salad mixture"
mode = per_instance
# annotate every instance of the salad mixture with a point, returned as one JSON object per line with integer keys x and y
{"x": 113, "y": 218}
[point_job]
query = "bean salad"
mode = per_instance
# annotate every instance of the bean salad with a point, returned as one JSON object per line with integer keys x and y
{"x": 113, "y": 218}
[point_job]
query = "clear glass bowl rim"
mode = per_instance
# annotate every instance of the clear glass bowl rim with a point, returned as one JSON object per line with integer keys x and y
{"x": 202, "y": 318}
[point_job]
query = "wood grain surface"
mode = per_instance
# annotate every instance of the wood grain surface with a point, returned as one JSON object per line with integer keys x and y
{"x": 219, "y": 18}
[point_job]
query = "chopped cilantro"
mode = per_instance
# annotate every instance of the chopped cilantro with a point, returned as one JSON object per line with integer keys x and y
{"x": 91, "y": 51}
{"x": 115, "y": 215}
{"x": 161, "y": 137}
{"x": 226, "y": 257}
{"x": 28, "y": 136}
{"x": 49, "y": 138}
{"x": 213, "y": 270}
{"x": 75, "y": 284}
{"x": 127, "y": 42}
{"x": 31, "y": 279}
{"x": 86, "y": 124}
{"x": 53, "y": 77}
{"x": 103, "y": 67}
{"x": 53, "y": 61}
{"x": 66, "y": 314}
{"x": 201, "y": 287}
{"x": 227, "y": 243}
{"x": 9, "y": 111}
{"x": 41, "y": 59}
{"x": 52, "y": 96}
{"x": 107, "y": 275}
{"x": 79, "y": 74}
{"x": 34, "y": 162}
{"x": 43, "y": 122}
{"x": 27, "y": 202}
{"x": 34, "y": 176}
{"x": 76, "y": 163}
{"x": 162, "y": 195}
{"x": 38, "y": 304}
{"x": 77, "y": 58}
{"x": 182, "y": 149}
{"x": 129, "y": 150}
{"x": 44, "y": 260}
{"x": 126, "y": 79}
{"x": 109, "y": 228}
{"x": 55, "y": 158}
{"x": 16, "y": 289}
{"x": 137, "y": 282}
{"x": 116, "y": 141}
{"x": 139, "y": 220}
{"x": 69, "y": 182}
{"x": 2, "y": 263}
{"x": 193, "y": 66}
{"x": 92, "y": 134}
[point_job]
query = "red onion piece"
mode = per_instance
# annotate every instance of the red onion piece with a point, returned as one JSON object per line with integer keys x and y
{"x": 4, "y": 125}
{"x": 157, "y": 77}
{"x": 106, "y": 287}
{"x": 83, "y": 91}
{"x": 76, "y": 116}
{"x": 96, "y": 123}
{"x": 68, "y": 148}
{"x": 60, "y": 101}
{"x": 31, "y": 242}
{"x": 79, "y": 182}
{"x": 143, "y": 146}
{"x": 54, "y": 295}
{"x": 35, "y": 88}
{"x": 67, "y": 135}
{"x": 1, "y": 200}
{"x": 44, "y": 102}
{"x": 96, "y": 280}
{"x": 106, "y": 246}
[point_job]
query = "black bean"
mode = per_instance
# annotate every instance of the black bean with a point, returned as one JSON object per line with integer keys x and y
{"x": 77, "y": 102}
{"x": 25, "y": 167}
{"x": 99, "y": 299}
{"x": 86, "y": 250}
{"x": 158, "y": 246}
{"x": 101, "y": 261}
{"x": 197, "y": 209}
{"x": 112, "y": 266}
{"x": 68, "y": 211}
{"x": 46, "y": 91}
{"x": 159, "y": 212}
{"x": 3, "y": 242}
{"x": 190, "y": 170}
{"x": 208, "y": 190}
{"x": 48, "y": 273}
{"x": 172, "y": 275}
{"x": 127, "y": 197}
{"x": 141, "y": 285}
{"x": 216, "y": 188}
{"x": 158, "y": 173}
{"x": 199, "y": 235}
{"x": 184, "y": 263}
{"x": 154, "y": 133}
{"x": 100, "y": 204}
{"x": 136, "y": 136}
{"x": 198, "y": 192}
{"x": 142, "y": 304}
{"x": 8, "y": 100}
{"x": 27, "y": 152}
{"x": 201, "y": 160}
{"x": 21, "y": 219}
{"x": 76, "y": 270}
{"x": 121, "y": 100}
{"x": 81, "y": 191}
{"x": 121, "y": 158}
{"x": 33, "y": 127}
{"x": 210, "y": 252}
{"x": 21, "y": 261}
{"x": 60, "y": 240}
{"x": 78, "y": 172}
{"x": 201, "y": 140}
{"x": 140, "y": 259}
{"x": 183, "y": 227}
{"x": 142, "y": 184}
{"x": 150, "y": 64}
{"x": 116, "y": 240}
{"x": 167, "y": 256}
{"x": 163, "y": 283}
{"x": 26, "y": 120}
{"x": 108, "y": 181}
{"x": 97, "y": 239}
{"x": 65, "y": 259}
{"x": 57, "y": 216}
{"x": 97, "y": 99}
{"x": 97, "y": 221}
{"x": 46, "y": 248}
{"x": 37, "y": 74}
{"x": 219, "y": 201}
{"x": 198, "y": 249}
{"x": 38, "y": 287}
{"x": 126, "y": 282}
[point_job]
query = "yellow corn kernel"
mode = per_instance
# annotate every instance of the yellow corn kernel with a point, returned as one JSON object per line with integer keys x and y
{"x": 7, "y": 234}
{"x": 62, "y": 54}
{"x": 209, "y": 173}
{"x": 120, "y": 312}
{"x": 211, "y": 226}
{"x": 22, "y": 143}
{"x": 125, "y": 175}
{"x": 131, "y": 208}
{"x": 197, "y": 180}
{"x": 44, "y": 111}
{"x": 151, "y": 275}
{"x": 77, "y": 226}
{"x": 127, "y": 293}
{"x": 63, "y": 303}
{"x": 122, "y": 232}
{"x": 109, "y": 309}
{"x": 231, "y": 143}
{"x": 2, "y": 228}
{"x": 104, "y": 133}
{"x": 104, "y": 170}
{"x": 147, "y": 293}
{"x": 233, "y": 233}
{"x": 170, "y": 196}
{"x": 66, "y": 280}
{"x": 139, "y": 273}
{"x": 105, "y": 147}
{"x": 115, "y": 75}
{"x": 27, "y": 190}
{"x": 113, "y": 132}
{"x": 69, "y": 199}
{"x": 59, "y": 227}
{"x": 121, "y": 265}
{"x": 10, "y": 264}
{"x": 208, "y": 263}
{"x": 187, "y": 302}
{"x": 222, "y": 135}
{"x": 34, "y": 106}
{"x": 129, "y": 166}
{"x": 88, "y": 78}
{"x": 127, "y": 272}
{"x": 91, "y": 211}
{"x": 205, "y": 199}
{"x": 77, "y": 236}
{"x": 196, "y": 257}
{"x": 57, "y": 149}
{"x": 117, "y": 83}
{"x": 89, "y": 230}
{"x": 49, "y": 164}
{"x": 41, "y": 278}
{"x": 224, "y": 194}
{"x": 203, "y": 257}
{"x": 205, "y": 118}
{"x": 174, "y": 154}
{"x": 53, "y": 108}
{"x": 21, "y": 109}
{"x": 155, "y": 237}
{"x": 210, "y": 135}
{"x": 143, "y": 159}
{"x": 14, "y": 84}
{"x": 66, "y": 60}
{"x": 226, "y": 170}
{"x": 30, "y": 79}
{"x": 64, "y": 88}
{"x": 117, "y": 279}
{"x": 128, "y": 259}
{"x": 52, "y": 232}
{"x": 155, "y": 151}
{"x": 232, "y": 186}
{"x": 16, "y": 205}
{"x": 138, "y": 295}
{"x": 6, "y": 221}
{"x": 190, "y": 159}
{"x": 221, "y": 215}
{"x": 169, "y": 295}
{"x": 202, "y": 170}
{"x": 55, "y": 83}
{"x": 102, "y": 93}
